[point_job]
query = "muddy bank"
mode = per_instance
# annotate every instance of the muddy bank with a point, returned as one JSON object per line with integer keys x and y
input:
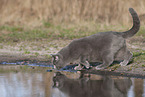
{"x": 131, "y": 70}
{"x": 15, "y": 58}
{"x": 12, "y": 54}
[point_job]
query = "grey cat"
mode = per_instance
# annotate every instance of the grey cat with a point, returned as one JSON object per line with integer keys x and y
{"x": 104, "y": 47}
{"x": 83, "y": 87}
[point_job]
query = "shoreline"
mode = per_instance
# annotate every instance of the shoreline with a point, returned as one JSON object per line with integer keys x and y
{"x": 31, "y": 52}
{"x": 112, "y": 70}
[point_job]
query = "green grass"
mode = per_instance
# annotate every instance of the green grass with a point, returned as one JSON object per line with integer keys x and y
{"x": 36, "y": 54}
{"x": 27, "y": 52}
{"x": 139, "y": 56}
{"x": 47, "y": 24}
{"x": 51, "y": 32}
{"x": 141, "y": 32}
{"x": 11, "y": 28}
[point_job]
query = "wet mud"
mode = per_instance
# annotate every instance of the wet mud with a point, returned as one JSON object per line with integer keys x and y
{"x": 33, "y": 62}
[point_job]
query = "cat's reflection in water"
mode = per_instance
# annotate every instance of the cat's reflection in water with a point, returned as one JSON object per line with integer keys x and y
{"x": 85, "y": 87}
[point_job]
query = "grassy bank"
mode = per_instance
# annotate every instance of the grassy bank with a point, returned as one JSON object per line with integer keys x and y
{"x": 52, "y": 32}
{"x": 50, "y": 38}
{"x": 38, "y": 43}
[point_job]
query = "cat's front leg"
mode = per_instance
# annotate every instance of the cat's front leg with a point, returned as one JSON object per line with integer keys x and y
{"x": 107, "y": 61}
{"x": 82, "y": 64}
{"x": 86, "y": 64}
{"x": 79, "y": 67}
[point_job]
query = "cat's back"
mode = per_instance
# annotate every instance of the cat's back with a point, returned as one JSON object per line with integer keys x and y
{"x": 99, "y": 40}
{"x": 95, "y": 37}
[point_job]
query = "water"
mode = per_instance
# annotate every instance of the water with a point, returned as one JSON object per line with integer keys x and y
{"x": 19, "y": 83}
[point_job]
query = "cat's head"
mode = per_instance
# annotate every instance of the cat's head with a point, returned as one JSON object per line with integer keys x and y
{"x": 58, "y": 80}
{"x": 58, "y": 61}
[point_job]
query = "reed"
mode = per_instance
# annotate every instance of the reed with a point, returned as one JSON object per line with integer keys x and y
{"x": 33, "y": 12}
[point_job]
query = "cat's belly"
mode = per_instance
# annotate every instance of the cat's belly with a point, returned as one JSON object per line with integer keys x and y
{"x": 94, "y": 58}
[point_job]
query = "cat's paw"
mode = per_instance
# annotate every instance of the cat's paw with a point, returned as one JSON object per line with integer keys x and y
{"x": 123, "y": 63}
{"x": 98, "y": 68}
{"x": 54, "y": 67}
{"x": 79, "y": 67}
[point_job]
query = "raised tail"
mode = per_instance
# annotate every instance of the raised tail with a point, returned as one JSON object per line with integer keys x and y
{"x": 135, "y": 27}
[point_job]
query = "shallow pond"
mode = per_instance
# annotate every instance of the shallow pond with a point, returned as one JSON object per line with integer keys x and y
{"x": 31, "y": 83}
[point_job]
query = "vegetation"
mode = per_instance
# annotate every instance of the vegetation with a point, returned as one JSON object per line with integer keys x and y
{"x": 31, "y": 13}
{"x": 33, "y": 26}
{"x": 139, "y": 56}
{"x": 18, "y": 34}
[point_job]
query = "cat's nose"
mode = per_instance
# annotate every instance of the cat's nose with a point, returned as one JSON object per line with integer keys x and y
{"x": 54, "y": 67}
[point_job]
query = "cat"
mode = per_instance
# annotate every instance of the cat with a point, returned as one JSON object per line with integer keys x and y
{"x": 104, "y": 47}
{"x": 105, "y": 86}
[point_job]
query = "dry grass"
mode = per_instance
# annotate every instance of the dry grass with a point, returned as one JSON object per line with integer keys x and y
{"x": 33, "y": 12}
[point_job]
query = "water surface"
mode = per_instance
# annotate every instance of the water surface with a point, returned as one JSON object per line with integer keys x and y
{"x": 19, "y": 83}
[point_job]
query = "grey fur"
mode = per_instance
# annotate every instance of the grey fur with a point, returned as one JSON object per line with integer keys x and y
{"x": 105, "y": 86}
{"x": 102, "y": 47}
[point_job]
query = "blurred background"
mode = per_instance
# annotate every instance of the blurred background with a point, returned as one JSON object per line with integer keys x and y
{"x": 41, "y": 27}
{"x": 35, "y": 12}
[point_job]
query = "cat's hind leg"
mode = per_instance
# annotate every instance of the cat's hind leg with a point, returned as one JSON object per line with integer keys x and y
{"x": 127, "y": 57}
{"x": 107, "y": 60}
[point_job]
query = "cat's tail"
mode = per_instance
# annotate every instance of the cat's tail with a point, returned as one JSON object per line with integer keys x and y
{"x": 135, "y": 27}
